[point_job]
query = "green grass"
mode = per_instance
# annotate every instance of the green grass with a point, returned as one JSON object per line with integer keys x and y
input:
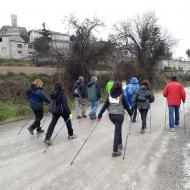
{"x": 12, "y": 62}
{"x": 12, "y": 111}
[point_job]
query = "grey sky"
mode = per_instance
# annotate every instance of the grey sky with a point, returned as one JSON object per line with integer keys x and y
{"x": 172, "y": 14}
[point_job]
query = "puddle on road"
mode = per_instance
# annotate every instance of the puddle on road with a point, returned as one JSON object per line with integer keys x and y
{"x": 186, "y": 154}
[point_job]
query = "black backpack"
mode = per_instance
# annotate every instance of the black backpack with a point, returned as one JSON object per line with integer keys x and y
{"x": 54, "y": 108}
{"x": 142, "y": 97}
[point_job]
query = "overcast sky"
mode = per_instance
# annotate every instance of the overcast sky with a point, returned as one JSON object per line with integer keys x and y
{"x": 173, "y": 14}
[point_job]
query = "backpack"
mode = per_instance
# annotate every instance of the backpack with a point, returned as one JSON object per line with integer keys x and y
{"x": 54, "y": 108}
{"x": 142, "y": 97}
{"x": 131, "y": 89}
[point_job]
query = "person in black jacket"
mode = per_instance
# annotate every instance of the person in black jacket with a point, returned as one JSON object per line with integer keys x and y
{"x": 36, "y": 98}
{"x": 116, "y": 104}
{"x": 62, "y": 111}
{"x": 142, "y": 100}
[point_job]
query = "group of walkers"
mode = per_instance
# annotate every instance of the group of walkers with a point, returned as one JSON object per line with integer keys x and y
{"x": 120, "y": 97}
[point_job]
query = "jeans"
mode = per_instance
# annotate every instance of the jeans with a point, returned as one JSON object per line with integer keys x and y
{"x": 38, "y": 117}
{"x": 117, "y": 120}
{"x": 54, "y": 121}
{"x": 143, "y": 113}
{"x": 172, "y": 110}
{"x": 79, "y": 107}
{"x": 94, "y": 107}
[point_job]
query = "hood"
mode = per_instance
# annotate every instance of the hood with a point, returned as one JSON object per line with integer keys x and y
{"x": 134, "y": 80}
{"x": 90, "y": 83}
{"x": 114, "y": 93}
{"x": 144, "y": 87}
{"x": 54, "y": 94}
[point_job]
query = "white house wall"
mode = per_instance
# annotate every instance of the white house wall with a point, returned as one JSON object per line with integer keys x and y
{"x": 5, "y": 48}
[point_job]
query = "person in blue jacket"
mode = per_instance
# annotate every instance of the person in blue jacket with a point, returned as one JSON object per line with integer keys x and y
{"x": 130, "y": 91}
{"x": 36, "y": 98}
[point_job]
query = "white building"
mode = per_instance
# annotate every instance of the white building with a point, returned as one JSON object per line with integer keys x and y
{"x": 174, "y": 64}
{"x": 12, "y": 45}
{"x": 16, "y": 42}
{"x": 60, "y": 41}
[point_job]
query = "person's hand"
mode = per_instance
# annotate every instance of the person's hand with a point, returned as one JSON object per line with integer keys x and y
{"x": 70, "y": 116}
{"x": 98, "y": 119}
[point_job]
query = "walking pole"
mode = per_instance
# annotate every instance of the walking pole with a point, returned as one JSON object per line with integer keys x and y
{"x": 58, "y": 132}
{"x": 165, "y": 116}
{"x": 150, "y": 119}
{"x": 129, "y": 131}
{"x": 23, "y": 126}
{"x": 84, "y": 143}
{"x": 184, "y": 118}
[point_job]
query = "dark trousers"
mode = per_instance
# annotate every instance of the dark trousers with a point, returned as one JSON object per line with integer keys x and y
{"x": 117, "y": 120}
{"x": 38, "y": 117}
{"x": 134, "y": 113}
{"x": 143, "y": 113}
{"x": 54, "y": 122}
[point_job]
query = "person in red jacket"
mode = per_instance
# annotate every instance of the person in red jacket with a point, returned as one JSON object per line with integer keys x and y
{"x": 174, "y": 92}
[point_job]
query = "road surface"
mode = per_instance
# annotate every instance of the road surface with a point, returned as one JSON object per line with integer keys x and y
{"x": 156, "y": 161}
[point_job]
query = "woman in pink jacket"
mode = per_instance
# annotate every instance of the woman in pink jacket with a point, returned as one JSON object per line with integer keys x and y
{"x": 174, "y": 92}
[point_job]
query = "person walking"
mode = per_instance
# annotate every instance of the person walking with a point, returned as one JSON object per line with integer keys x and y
{"x": 130, "y": 91}
{"x": 142, "y": 100}
{"x": 79, "y": 92}
{"x": 36, "y": 98}
{"x": 116, "y": 104}
{"x": 109, "y": 84}
{"x": 175, "y": 93}
{"x": 62, "y": 110}
{"x": 93, "y": 95}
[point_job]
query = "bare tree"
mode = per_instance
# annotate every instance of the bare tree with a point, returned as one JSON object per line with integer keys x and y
{"x": 86, "y": 50}
{"x": 188, "y": 53}
{"x": 143, "y": 39}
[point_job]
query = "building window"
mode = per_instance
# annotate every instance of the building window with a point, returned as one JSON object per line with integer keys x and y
{"x": 19, "y": 52}
{"x": 19, "y": 45}
{"x": 30, "y": 46}
{"x": 1, "y": 39}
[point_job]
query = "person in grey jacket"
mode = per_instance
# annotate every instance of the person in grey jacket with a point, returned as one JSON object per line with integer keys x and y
{"x": 93, "y": 95}
{"x": 116, "y": 104}
{"x": 142, "y": 100}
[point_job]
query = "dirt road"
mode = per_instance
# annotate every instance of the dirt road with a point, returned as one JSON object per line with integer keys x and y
{"x": 156, "y": 161}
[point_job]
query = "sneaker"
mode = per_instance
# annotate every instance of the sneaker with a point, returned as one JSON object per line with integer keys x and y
{"x": 78, "y": 117}
{"x": 48, "y": 142}
{"x": 84, "y": 116}
{"x": 177, "y": 125}
{"x": 31, "y": 130}
{"x": 120, "y": 147}
{"x": 142, "y": 131}
{"x": 72, "y": 136}
{"x": 40, "y": 131}
{"x": 172, "y": 130}
{"x": 114, "y": 154}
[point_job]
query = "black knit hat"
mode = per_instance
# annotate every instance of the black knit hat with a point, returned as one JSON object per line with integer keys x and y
{"x": 173, "y": 78}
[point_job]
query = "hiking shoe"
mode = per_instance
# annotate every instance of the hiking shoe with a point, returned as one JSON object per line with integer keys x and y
{"x": 48, "y": 142}
{"x": 40, "y": 131}
{"x": 120, "y": 147}
{"x": 177, "y": 125}
{"x": 142, "y": 131}
{"x": 78, "y": 117}
{"x": 114, "y": 154}
{"x": 172, "y": 130}
{"x": 31, "y": 130}
{"x": 72, "y": 136}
